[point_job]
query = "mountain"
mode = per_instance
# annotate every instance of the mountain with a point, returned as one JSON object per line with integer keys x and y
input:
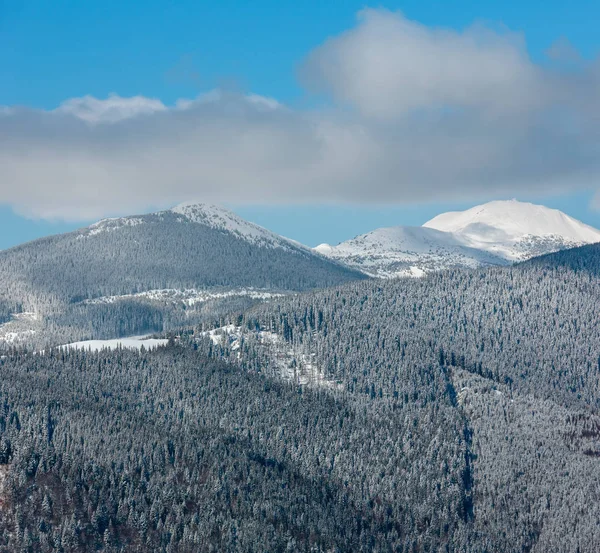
{"x": 197, "y": 262}
{"x": 189, "y": 246}
{"x": 210, "y": 216}
{"x": 496, "y": 233}
{"x": 145, "y": 260}
{"x": 407, "y": 251}
{"x": 515, "y": 230}
{"x": 456, "y": 412}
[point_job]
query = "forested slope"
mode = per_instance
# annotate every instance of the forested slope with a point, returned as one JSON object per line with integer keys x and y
{"x": 583, "y": 259}
{"x": 160, "y": 252}
{"x": 170, "y": 452}
{"x": 532, "y": 328}
{"x": 520, "y": 349}
{"x": 198, "y": 248}
{"x": 458, "y": 412}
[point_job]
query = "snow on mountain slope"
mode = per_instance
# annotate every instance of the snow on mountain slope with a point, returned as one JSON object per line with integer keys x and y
{"x": 406, "y": 251}
{"x": 108, "y": 225}
{"x": 189, "y": 297}
{"x": 136, "y": 272}
{"x": 209, "y": 215}
{"x": 496, "y": 233}
{"x": 324, "y": 249}
{"x": 222, "y": 219}
{"x": 515, "y": 230}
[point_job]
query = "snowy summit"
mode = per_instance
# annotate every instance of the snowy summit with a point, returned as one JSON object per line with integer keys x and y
{"x": 222, "y": 219}
{"x": 495, "y": 233}
{"x": 515, "y": 230}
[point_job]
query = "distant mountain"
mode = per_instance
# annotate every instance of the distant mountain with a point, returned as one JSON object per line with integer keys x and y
{"x": 407, "y": 251}
{"x": 515, "y": 230}
{"x": 496, "y": 233}
{"x": 206, "y": 215}
{"x": 191, "y": 248}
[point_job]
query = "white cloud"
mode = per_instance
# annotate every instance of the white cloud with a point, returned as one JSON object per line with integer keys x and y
{"x": 417, "y": 114}
{"x": 113, "y": 109}
{"x": 388, "y": 66}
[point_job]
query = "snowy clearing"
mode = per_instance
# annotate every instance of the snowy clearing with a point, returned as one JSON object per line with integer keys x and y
{"x": 132, "y": 342}
{"x": 289, "y": 363}
{"x": 189, "y": 296}
{"x": 20, "y": 327}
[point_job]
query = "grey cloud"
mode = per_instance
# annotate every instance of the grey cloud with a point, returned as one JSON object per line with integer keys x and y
{"x": 417, "y": 114}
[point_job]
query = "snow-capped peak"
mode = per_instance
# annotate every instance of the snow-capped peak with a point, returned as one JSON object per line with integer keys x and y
{"x": 209, "y": 215}
{"x": 406, "y": 251}
{"x": 217, "y": 217}
{"x": 515, "y": 230}
{"x": 496, "y": 233}
{"x": 515, "y": 219}
{"x": 222, "y": 219}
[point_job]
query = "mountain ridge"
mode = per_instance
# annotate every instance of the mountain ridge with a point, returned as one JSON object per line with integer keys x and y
{"x": 495, "y": 233}
{"x": 130, "y": 275}
{"x": 407, "y": 251}
{"x": 210, "y": 215}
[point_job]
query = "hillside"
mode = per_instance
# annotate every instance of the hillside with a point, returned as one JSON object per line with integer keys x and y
{"x": 514, "y": 350}
{"x": 585, "y": 259}
{"x": 201, "y": 251}
{"x": 456, "y": 412}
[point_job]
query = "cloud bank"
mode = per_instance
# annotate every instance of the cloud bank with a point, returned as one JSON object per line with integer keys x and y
{"x": 412, "y": 114}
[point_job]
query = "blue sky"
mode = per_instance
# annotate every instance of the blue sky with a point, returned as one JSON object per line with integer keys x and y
{"x": 51, "y": 52}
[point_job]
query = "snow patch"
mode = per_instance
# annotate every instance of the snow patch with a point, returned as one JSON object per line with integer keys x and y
{"x": 13, "y": 337}
{"x": 20, "y": 327}
{"x": 189, "y": 296}
{"x": 324, "y": 249}
{"x": 132, "y": 342}
{"x": 109, "y": 225}
{"x": 288, "y": 363}
{"x": 417, "y": 272}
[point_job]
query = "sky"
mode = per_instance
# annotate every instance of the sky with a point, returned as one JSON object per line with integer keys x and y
{"x": 319, "y": 120}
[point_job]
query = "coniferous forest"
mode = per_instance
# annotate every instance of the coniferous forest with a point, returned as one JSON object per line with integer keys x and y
{"x": 458, "y": 412}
